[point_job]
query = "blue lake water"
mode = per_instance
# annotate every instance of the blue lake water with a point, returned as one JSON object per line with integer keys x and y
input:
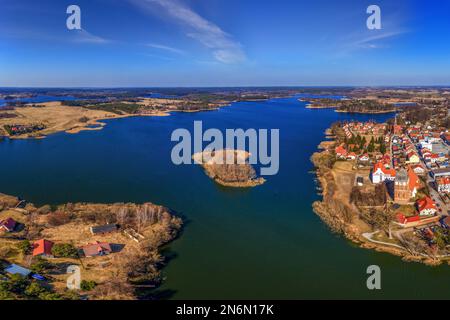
{"x": 257, "y": 243}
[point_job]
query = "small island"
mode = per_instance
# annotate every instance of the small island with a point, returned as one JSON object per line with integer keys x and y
{"x": 229, "y": 168}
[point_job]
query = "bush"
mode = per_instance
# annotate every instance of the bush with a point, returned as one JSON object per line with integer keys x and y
{"x": 87, "y": 285}
{"x": 24, "y": 246}
{"x": 35, "y": 290}
{"x": 59, "y": 218}
{"x": 44, "y": 209}
{"x": 40, "y": 265}
{"x": 64, "y": 250}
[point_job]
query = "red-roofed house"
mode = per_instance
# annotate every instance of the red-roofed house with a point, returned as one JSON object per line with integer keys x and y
{"x": 398, "y": 129}
{"x": 443, "y": 184}
{"x": 414, "y": 221}
{"x": 7, "y": 225}
{"x": 426, "y": 206}
{"x": 43, "y": 248}
{"x": 341, "y": 152}
{"x": 351, "y": 156}
{"x": 97, "y": 249}
{"x": 380, "y": 173}
{"x": 364, "y": 157}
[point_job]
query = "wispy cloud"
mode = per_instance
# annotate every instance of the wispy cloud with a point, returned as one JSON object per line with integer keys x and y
{"x": 224, "y": 48}
{"x": 366, "y": 40}
{"x": 84, "y": 36}
{"x": 165, "y": 48}
{"x": 76, "y": 36}
{"x": 372, "y": 41}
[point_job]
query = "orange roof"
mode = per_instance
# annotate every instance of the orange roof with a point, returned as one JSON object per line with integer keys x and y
{"x": 425, "y": 203}
{"x": 414, "y": 181}
{"x": 42, "y": 247}
{"x": 341, "y": 150}
{"x": 443, "y": 180}
{"x": 380, "y": 165}
{"x": 96, "y": 248}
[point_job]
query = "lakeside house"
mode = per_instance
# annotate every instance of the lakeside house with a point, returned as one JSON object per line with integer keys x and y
{"x": 96, "y": 249}
{"x": 8, "y": 225}
{"x": 341, "y": 152}
{"x": 43, "y": 248}
{"x": 107, "y": 228}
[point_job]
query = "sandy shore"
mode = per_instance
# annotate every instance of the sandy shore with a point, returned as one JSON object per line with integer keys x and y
{"x": 366, "y": 112}
{"x": 59, "y": 118}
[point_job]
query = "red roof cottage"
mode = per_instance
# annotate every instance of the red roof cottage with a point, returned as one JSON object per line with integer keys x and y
{"x": 97, "y": 249}
{"x": 43, "y": 248}
{"x": 426, "y": 206}
{"x": 341, "y": 152}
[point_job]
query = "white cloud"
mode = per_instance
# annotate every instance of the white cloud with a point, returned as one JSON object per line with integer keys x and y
{"x": 87, "y": 37}
{"x": 164, "y": 47}
{"x": 369, "y": 42}
{"x": 224, "y": 48}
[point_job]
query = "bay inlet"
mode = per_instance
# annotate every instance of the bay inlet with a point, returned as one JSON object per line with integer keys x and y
{"x": 257, "y": 243}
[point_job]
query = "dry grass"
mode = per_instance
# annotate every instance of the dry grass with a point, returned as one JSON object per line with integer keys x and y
{"x": 344, "y": 177}
{"x": 9, "y": 250}
{"x": 56, "y": 117}
{"x": 19, "y": 217}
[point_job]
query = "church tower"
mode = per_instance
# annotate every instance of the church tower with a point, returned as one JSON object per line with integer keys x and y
{"x": 402, "y": 192}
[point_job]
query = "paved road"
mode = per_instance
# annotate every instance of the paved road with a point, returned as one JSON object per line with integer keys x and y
{"x": 433, "y": 192}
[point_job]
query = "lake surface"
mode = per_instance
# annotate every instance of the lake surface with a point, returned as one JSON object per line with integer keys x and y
{"x": 257, "y": 243}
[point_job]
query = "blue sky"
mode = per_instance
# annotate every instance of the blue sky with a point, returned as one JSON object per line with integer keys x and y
{"x": 223, "y": 43}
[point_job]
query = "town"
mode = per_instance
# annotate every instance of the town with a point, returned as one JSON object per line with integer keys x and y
{"x": 397, "y": 177}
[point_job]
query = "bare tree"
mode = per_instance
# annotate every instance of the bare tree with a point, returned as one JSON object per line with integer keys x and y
{"x": 122, "y": 215}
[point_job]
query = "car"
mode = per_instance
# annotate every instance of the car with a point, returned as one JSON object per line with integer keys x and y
{"x": 37, "y": 277}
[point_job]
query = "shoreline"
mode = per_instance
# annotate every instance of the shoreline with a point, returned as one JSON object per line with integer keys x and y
{"x": 132, "y": 241}
{"x": 73, "y": 126}
{"x": 209, "y": 168}
{"x": 367, "y": 112}
{"x": 343, "y": 218}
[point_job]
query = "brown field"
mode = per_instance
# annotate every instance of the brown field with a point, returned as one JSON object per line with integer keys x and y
{"x": 56, "y": 118}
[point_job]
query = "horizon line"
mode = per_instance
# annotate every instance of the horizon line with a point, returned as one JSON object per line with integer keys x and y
{"x": 223, "y": 87}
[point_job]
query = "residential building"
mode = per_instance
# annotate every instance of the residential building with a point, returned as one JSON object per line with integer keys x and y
{"x": 43, "y": 248}
{"x": 8, "y": 225}
{"x": 426, "y": 206}
{"x": 97, "y": 249}
{"x": 380, "y": 173}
